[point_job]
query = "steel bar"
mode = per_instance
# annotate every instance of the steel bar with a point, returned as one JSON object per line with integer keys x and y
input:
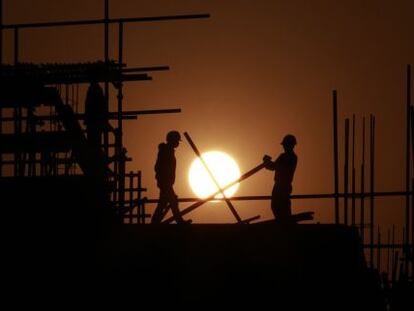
{"x": 128, "y": 114}
{"x": 412, "y": 189}
{"x": 120, "y": 165}
{"x": 142, "y": 112}
{"x": 106, "y": 84}
{"x": 109, "y": 21}
{"x": 378, "y": 251}
{"x": 146, "y": 69}
{"x": 1, "y": 63}
{"x": 362, "y": 210}
{"x": 353, "y": 173}
{"x": 407, "y": 165}
{"x": 346, "y": 171}
{"x": 335, "y": 152}
{"x": 372, "y": 182}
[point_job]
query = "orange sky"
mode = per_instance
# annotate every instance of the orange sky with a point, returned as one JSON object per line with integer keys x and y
{"x": 253, "y": 72}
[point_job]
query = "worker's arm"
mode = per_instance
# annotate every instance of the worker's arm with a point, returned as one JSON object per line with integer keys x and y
{"x": 269, "y": 164}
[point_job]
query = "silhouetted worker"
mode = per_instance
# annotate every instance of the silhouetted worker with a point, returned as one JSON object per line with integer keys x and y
{"x": 165, "y": 175}
{"x": 284, "y": 168}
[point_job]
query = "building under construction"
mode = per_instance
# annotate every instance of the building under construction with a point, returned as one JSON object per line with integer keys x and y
{"x": 75, "y": 214}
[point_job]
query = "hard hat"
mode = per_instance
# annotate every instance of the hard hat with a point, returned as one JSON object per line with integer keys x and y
{"x": 173, "y": 136}
{"x": 289, "y": 140}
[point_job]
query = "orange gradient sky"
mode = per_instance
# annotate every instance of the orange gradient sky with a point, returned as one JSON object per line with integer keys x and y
{"x": 253, "y": 72}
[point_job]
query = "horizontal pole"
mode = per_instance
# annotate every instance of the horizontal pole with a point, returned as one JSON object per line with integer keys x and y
{"x": 54, "y": 118}
{"x": 146, "y": 69}
{"x": 128, "y": 114}
{"x": 103, "y": 21}
{"x": 132, "y": 189}
{"x": 296, "y": 196}
{"x": 141, "y": 112}
{"x": 384, "y": 245}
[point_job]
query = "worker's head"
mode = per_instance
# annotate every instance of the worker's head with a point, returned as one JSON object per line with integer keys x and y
{"x": 173, "y": 138}
{"x": 289, "y": 142}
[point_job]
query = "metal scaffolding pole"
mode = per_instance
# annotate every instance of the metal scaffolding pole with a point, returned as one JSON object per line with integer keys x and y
{"x": 346, "y": 171}
{"x": 408, "y": 166}
{"x": 335, "y": 147}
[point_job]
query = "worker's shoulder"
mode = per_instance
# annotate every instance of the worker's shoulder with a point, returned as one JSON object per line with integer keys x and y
{"x": 165, "y": 148}
{"x": 289, "y": 156}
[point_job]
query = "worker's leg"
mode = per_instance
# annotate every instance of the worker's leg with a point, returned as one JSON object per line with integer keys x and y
{"x": 281, "y": 206}
{"x": 161, "y": 207}
{"x": 173, "y": 204}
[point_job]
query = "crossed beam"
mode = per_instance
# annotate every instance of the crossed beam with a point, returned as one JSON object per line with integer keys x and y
{"x": 220, "y": 189}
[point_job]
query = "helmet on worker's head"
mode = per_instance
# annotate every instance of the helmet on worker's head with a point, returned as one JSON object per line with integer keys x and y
{"x": 289, "y": 140}
{"x": 173, "y": 136}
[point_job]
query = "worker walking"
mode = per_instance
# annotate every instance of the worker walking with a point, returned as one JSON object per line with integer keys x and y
{"x": 165, "y": 175}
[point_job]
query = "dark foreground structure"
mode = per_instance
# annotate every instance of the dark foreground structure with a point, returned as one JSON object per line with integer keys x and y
{"x": 62, "y": 247}
{"x": 75, "y": 252}
{"x": 262, "y": 266}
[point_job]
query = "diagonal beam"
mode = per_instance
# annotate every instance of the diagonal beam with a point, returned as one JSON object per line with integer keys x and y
{"x": 109, "y": 21}
{"x": 229, "y": 204}
{"x": 211, "y": 197}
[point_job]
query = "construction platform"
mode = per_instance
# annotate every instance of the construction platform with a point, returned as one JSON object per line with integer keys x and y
{"x": 261, "y": 266}
{"x": 62, "y": 242}
{"x": 257, "y": 266}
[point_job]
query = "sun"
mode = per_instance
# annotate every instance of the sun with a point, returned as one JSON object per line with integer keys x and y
{"x": 224, "y": 169}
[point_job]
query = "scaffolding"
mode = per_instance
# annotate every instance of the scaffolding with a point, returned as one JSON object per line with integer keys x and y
{"x": 45, "y": 131}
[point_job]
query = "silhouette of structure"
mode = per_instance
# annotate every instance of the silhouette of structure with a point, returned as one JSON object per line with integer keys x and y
{"x": 38, "y": 147}
{"x": 63, "y": 176}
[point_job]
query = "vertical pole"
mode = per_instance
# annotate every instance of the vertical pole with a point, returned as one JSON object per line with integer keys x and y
{"x": 346, "y": 170}
{"x": 1, "y": 32}
{"x": 378, "y": 251}
{"x": 106, "y": 29}
{"x": 388, "y": 252}
{"x": 16, "y": 45}
{"x": 362, "y": 215}
{"x": 1, "y": 63}
{"x": 353, "y": 171}
{"x": 140, "y": 207}
{"x": 119, "y": 140}
{"x": 392, "y": 246}
{"x": 412, "y": 189}
{"x": 17, "y": 110}
{"x": 372, "y": 181}
{"x": 404, "y": 253}
{"x": 335, "y": 146}
{"x": 120, "y": 85}
{"x": 394, "y": 268}
{"x": 131, "y": 197}
{"x": 121, "y": 176}
{"x": 106, "y": 57}
{"x": 407, "y": 169}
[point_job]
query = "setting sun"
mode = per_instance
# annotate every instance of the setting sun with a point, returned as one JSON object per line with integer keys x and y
{"x": 223, "y": 167}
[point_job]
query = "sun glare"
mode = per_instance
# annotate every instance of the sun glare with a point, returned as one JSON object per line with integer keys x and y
{"x": 224, "y": 169}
